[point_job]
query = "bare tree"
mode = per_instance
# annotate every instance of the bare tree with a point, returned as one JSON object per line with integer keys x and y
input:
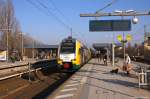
{"x": 10, "y": 28}
{"x": 9, "y": 25}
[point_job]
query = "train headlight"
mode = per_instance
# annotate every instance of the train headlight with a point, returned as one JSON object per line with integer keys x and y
{"x": 73, "y": 60}
{"x": 59, "y": 61}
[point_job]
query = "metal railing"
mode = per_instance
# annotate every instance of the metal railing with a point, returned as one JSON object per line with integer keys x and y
{"x": 29, "y": 68}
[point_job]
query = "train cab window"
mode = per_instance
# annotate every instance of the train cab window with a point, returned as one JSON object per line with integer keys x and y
{"x": 67, "y": 47}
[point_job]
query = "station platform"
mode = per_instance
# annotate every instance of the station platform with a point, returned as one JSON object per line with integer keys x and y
{"x": 11, "y": 64}
{"x": 94, "y": 81}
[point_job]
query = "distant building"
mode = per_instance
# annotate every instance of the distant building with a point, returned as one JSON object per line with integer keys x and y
{"x": 3, "y": 53}
{"x": 41, "y": 51}
{"x": 102, "y": 46}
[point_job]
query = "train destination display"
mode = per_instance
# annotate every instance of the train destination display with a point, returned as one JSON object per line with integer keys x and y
{"x": 109, "y": 25}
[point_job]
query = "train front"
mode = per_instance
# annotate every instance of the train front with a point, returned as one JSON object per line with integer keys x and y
{"x": 67, "y": 54}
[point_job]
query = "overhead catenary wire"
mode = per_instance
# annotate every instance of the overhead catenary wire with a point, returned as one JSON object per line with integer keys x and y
{"x": 81, "y": 36}
{"x": 66, "y": 19}
{"x": 61, "y": 13}
{"x": 51, "y": 13}
{"x": 58, "y": 10}
{"x": 46, "y": 11}
{"x": 106, "y": 6}
{"x": 36, "y": 6}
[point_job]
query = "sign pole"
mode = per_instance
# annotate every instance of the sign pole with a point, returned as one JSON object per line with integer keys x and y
{"x": 113, "y": 52}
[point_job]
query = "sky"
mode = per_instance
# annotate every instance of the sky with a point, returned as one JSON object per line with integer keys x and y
{"x": 49, "y": 21}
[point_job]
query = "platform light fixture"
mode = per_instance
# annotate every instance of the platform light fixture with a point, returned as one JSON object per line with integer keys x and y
{"x": 118, "y": 11}
{"x": 135, "y": 20}
{"x": 130, "y": 11}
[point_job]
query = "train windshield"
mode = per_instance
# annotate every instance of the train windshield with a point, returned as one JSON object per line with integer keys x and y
{"x": 67, "y": 48}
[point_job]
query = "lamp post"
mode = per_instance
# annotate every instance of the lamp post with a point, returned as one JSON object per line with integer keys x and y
{"x": 22, "y": 46}
{"x": 113, "y": 52}
{"x": 33, "y": 48}
{"x": 124, "y": 41}
{"x": 122, "y": 13}
{"x": 117, "y": 13}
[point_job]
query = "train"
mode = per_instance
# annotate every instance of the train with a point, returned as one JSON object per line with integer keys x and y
{"x": 72, "y": 54}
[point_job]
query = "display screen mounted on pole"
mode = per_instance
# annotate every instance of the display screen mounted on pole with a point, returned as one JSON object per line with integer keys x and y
{"x": 109, "y": 25}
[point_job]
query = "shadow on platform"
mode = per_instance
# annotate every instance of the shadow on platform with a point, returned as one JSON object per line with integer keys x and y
{"x": 93, "y": 71}
{"x": 123, "y": 74}
{"x": 99, "y": 70}
{"x": 115, "y": 81}
{"x": 128, "y": 84}
{"x": 96, "y": 64}
{"x": 108, "y": 89}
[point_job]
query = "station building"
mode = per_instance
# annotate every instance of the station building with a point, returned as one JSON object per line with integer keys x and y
{"x": 40, "y": 51}
{"x": 3, "y": 53}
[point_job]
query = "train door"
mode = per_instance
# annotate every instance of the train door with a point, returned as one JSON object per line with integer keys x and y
{"x": 81, "y": 55}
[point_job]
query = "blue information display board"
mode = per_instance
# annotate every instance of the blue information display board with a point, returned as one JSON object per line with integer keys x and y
{"x": 109, "y": 25}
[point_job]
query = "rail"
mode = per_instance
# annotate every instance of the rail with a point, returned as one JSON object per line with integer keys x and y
{"x": 31, "y": 67}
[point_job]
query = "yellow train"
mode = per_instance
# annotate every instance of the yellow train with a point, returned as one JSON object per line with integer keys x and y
{"x": 72, "y": 54}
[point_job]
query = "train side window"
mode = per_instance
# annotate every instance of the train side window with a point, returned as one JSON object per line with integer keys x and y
{"x": 80, "y": 50}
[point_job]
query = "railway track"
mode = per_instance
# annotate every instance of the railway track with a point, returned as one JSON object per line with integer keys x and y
{"x": 141, "y": 59}
{"x": 20, "y": 69}
{"x": 31, "y": 84}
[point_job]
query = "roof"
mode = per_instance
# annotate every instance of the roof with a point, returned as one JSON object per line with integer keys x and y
{"x": 41, "y": 46}
{"x": 118, "y": 44}
{"x": 101, "y": 46}
{"x": 69, "y": 39}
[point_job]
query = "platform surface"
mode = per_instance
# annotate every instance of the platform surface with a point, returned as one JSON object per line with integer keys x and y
{"x": 94, "y": 81}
